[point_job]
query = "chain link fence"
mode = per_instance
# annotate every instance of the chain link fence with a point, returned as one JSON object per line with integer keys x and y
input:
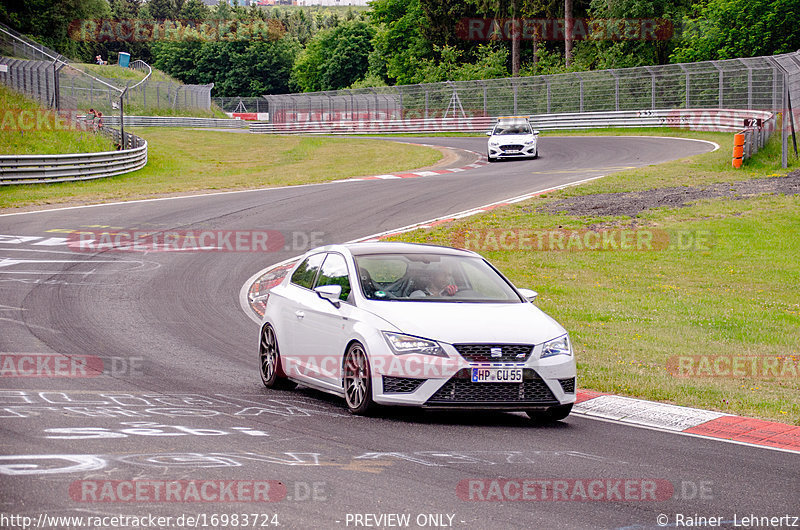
{"x": 242, "y": 104}
{"x": 754, "y": 83}
{"x": 45, "y": 75}
{"x": 757, "y": 83}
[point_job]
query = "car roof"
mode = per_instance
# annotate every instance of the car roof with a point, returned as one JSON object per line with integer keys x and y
{"x": 378, "y": 247}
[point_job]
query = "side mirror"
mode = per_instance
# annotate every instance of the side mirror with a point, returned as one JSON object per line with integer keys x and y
{"x": 535, "y": 133}
{"x": 488, "y": 133}
{"x": 529, "y": 295}
{"x": 330, "y": 293}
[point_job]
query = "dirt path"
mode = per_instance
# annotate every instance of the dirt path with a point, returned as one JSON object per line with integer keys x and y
{"x": 632, "y": 203}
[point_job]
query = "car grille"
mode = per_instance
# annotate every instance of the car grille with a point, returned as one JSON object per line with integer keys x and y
{"x": 461, "y": 390}
{"x": 482, "y": 353}
{"x": 568, "y": 385}
{"x": 401, "y": 385}
{"x": 512, "y": 147}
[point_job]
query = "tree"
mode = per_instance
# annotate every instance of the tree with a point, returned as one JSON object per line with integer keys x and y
{"x": 334, "y": 58}
{"x": 502, "y": 9}
{"x": 726, "y": 29}
{"x": 399, "y": 41}
{"x": 48, "y": 22}
{"x": 162, "y": 9}
{"x": 194, "y": 10}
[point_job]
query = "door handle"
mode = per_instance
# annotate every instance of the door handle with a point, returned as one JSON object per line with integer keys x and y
{"x": 299, "y": 314}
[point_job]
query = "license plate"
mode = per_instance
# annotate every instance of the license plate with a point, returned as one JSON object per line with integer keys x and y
{"x": 497, "y": 375}
{"x": 511, "y": 151}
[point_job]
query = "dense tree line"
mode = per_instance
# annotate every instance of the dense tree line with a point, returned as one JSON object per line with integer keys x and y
{"x": 253, "y": 50}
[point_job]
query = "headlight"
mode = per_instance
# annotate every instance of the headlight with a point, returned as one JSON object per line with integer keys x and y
{"x": 494, "y": 144}
{"x": 559, "y": 346}
{"x": 405, "y": 344}
{"x": 530, "y": 142}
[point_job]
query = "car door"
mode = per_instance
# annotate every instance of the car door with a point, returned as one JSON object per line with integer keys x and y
{"x": 291, "y": 325}
{"x": 326, "y": 327}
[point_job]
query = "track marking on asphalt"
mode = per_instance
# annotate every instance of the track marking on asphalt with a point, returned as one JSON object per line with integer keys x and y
{"x": 582, "y": 170}
{"x": 246, "y": 294}
{"x": 198, "y": 195}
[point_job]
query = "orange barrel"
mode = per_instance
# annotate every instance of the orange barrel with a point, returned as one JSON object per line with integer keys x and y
{"x": 738, "y": 149}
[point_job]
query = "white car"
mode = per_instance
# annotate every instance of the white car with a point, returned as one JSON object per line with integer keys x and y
{"x": 418, "y": 325}
{"x": 512, "y": 138}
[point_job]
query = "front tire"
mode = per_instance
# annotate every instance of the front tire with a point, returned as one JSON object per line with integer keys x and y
{"x": 269, "y": 357}
{"x": 550, "y": 415}
{"x": 357, "y": 380}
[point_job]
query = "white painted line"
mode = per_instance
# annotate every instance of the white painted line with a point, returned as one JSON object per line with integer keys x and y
{"x": 577, "y": 413}
{"x": 244, "y": 304}
{"x": 639, "y": 412}
{"x": 716, "y": 146}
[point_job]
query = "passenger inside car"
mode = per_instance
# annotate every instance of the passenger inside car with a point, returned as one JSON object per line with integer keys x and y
{"x": 440, "y": 283}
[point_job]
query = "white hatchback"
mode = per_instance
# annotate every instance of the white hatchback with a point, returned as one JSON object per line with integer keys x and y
{"x": 512, "y": 138}
{"x": 418, "y": 325}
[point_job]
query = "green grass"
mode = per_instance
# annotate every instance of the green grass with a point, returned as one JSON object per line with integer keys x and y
{"x": 135, "y": 102}
{"x": 182, "y": 160}
{"x": 112, "y": 71}
{"x": 29, "y": 136}
{"x": 630, "y": 312}
{"x": 708, "y": 168}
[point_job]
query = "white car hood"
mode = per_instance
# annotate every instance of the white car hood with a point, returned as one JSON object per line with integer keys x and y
{"x": 522, "y": 323}
{"x": 504, "y": 139}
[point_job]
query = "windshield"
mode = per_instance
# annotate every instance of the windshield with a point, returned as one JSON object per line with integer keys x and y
{"x": 512, "y": 128}
{"x": 431, "y": 278}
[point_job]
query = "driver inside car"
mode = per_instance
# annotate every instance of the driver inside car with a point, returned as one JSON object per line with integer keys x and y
{"x": 440, "y": 284}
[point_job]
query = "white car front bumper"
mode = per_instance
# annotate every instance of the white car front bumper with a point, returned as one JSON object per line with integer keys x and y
{"x": 421, "y": 380}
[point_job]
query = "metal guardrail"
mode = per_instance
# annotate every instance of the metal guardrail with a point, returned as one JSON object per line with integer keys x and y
{"x": 757, "y": 126}
{"x": 39, "y": 169}
{"x": 376, "y": 126}
{"x": 709, "y": 119}
{"x": 177, "y": 121}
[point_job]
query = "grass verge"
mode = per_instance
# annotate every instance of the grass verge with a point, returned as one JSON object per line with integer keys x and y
{"x": 28, "y": 129}
{"x": 631, "y": 314}
{"x": 183, "y": 160}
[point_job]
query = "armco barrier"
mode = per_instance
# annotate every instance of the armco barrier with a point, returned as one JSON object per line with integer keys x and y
{"x": 703, "y": 119}
{"x": 38, "y": 169}
{"x": 757, "y": 125}
{"x": 176, "y": 121}
{"x": 416, "y": 125}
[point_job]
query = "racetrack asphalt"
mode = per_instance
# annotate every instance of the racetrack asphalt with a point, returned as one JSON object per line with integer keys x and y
{"x": 181, "y": 399}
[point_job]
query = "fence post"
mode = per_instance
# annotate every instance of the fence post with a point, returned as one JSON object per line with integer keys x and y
{"x": 785, "y": 123}
{"x": 653, "y": 90}
{"x": 514, "y": 85}
{"x": 547, "y": 82}
{"x": 749, "y": 87}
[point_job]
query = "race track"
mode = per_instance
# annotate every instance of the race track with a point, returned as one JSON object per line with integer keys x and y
{"x": 180, "y": 398}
